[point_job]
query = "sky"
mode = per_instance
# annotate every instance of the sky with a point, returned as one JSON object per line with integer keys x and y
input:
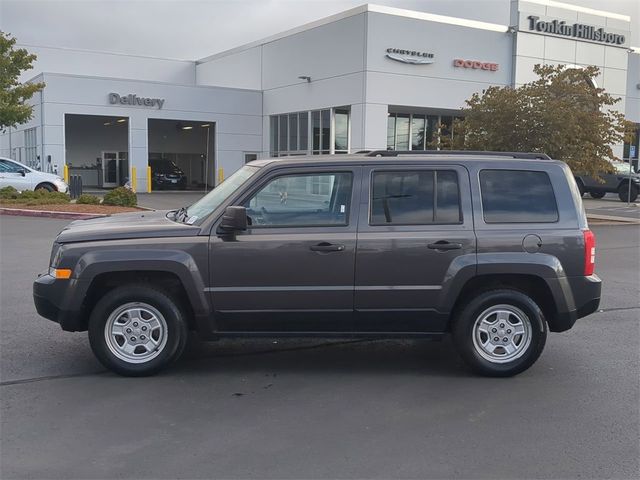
{"x": 192, "y": 29}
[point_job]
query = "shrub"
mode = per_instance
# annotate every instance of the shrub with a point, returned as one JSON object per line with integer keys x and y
{"x": 86, "y": 199}
{"x": 120, "y": 197}
{"x": 8, "y": 193}
{"x": 29, "y": 197}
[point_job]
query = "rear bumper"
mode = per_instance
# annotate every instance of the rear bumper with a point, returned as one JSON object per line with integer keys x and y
{"x": 586, "y": 293}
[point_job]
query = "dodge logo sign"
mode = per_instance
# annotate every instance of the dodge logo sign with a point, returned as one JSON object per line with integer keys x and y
{"x": 458, "y": 62}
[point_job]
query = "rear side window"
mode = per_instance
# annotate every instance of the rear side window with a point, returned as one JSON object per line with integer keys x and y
{"x": 517, "y": 196}
{"x": 420, "y": 197}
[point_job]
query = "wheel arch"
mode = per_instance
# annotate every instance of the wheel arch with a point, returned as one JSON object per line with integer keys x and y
{"x": 165, "y": 281}
{"x": 174, "y": 271}
{"x": 41, "y": 184}
{"x": 532, "y": 285}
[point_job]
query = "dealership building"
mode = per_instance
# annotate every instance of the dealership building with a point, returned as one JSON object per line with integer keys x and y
{"x": 372, "y": 77}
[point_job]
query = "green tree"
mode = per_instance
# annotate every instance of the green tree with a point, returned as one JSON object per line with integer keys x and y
{"x": 13, "y": 94}
{"x": 561, "y": 113}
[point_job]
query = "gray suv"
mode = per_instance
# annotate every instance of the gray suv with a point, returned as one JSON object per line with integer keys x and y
{"x": 492, "y": 248}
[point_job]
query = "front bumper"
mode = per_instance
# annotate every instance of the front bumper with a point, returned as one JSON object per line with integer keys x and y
{"x": 170, "y": 182}
{"x": 586, "y": 293}
{"x": 50, "y": 297}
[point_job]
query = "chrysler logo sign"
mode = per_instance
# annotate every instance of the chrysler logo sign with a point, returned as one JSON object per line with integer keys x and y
{"x": 410, "y": 56}
{"x": 577, "y": 30}
{"x": 134, "y": 100}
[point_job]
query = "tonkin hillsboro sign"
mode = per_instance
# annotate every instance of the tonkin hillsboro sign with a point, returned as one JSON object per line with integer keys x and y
{"x": 576, "y": 30}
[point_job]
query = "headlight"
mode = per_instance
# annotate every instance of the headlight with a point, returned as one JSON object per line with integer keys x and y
{"x": 60, "y": 185}
{"x": 56, "y": 255}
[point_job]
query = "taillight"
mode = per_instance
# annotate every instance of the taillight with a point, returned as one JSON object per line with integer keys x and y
{"x": 589, "y": 252}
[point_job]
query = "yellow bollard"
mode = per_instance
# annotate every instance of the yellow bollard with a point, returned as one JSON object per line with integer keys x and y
{"x": 134, "y": 180}
{"x": 220, "y": 175}
{"x": 148, "y": 179}
{"x": 65, "y": 173}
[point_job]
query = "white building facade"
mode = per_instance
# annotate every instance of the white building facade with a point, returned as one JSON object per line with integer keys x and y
{"x": 366, "y": 79}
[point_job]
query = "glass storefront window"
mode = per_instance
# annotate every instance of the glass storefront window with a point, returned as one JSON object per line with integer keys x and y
{"x": 402, "y": 132}
{"x": 315, "y": 119}
{"x": 293, "y": 132}
{"x": 284, "y": 133}
{"x": 341, "y": 121}
{"x": 432, "y": 127}
{"x": 326, "y": 131}
{"x": 273, "y": 125}
{"x": 391, "y": 132}
{"x": 417, "y": 132}
{"x": 290, "y": 132}
{"x": 303, "y": 125}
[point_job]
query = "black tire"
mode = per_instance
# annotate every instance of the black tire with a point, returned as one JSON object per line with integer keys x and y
{"x": 580, "y": 187}
{"x": 145, "y": 297}
{"x": 597, "y": 194}
{"x": 46, "y": 186}
{"x": 623, "y": 192}
{"x": 464, "y": 331}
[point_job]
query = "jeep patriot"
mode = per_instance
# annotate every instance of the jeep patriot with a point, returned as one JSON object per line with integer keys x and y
{"x": 492, "y": 248}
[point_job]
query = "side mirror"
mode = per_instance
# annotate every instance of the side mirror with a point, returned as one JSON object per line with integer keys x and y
{"x": 23, "y": 172}
{"x": 234, "y": 219}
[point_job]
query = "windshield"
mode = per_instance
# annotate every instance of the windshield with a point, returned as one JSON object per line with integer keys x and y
{"x": 215, "y": 197}
{"x": 621, "y": 167}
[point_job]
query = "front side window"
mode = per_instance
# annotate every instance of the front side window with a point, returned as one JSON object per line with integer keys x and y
{"x": 517, "y": 196}
{"x": 10, "y": 167}
{"x": 415, "y": 198}
{"x": 302, "y": 200}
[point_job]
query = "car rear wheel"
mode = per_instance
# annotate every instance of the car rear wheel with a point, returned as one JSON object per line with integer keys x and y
{"x": 623, "y": 193}
{"x": 597, "y": 194}
{"x": 500, "y": 333}
{"x": 137, "y": 330}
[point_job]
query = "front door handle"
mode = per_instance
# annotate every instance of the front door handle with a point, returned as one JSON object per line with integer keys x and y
{"x": 326, "y": 247}
{"x": 444, "y": 245}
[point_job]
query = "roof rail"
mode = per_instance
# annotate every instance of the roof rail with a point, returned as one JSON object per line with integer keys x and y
{"x": 521, "y": 155}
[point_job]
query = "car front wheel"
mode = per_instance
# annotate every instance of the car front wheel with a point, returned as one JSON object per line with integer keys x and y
{"x": 137, "y": 330}
{"x": 500, "y": 333}
{"x": 597, "y": 194}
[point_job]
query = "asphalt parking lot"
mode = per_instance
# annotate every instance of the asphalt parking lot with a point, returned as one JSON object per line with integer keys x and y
{"x": 611, "y": 205}
{"x": 316, "y": 409}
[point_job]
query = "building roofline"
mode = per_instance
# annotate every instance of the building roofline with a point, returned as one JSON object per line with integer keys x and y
{"x": 155, "y": 82}
{"x": 103, "y": 52}
{"x": 399, "y": 12}
{"x": 577, "y": 8}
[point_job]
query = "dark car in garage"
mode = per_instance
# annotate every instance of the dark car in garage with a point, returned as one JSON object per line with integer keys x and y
{"x": 165, "y": 174}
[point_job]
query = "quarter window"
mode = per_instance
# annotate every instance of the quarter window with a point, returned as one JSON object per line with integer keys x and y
{"x": 415, "y": 198}
{"x": 517, "y": 196}
{"x": 302, "y": 200}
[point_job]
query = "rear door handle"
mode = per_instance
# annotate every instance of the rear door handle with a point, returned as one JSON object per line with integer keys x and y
{"x": 326, "y": 247}
{"x": 444, "y": 245}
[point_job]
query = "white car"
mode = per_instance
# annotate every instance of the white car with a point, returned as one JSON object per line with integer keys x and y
{"x": 15, "y": 174}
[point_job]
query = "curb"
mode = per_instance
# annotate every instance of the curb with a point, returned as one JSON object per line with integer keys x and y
{"x": 23, "y": 212}
{"x": 613, "y": 219}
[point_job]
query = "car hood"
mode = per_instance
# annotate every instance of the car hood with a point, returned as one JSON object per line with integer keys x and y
{"x": 47, "y": 176}
{"x": 148, "y": 224}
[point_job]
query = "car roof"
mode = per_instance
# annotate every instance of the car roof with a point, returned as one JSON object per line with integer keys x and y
{"x": 380, "y": 158}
